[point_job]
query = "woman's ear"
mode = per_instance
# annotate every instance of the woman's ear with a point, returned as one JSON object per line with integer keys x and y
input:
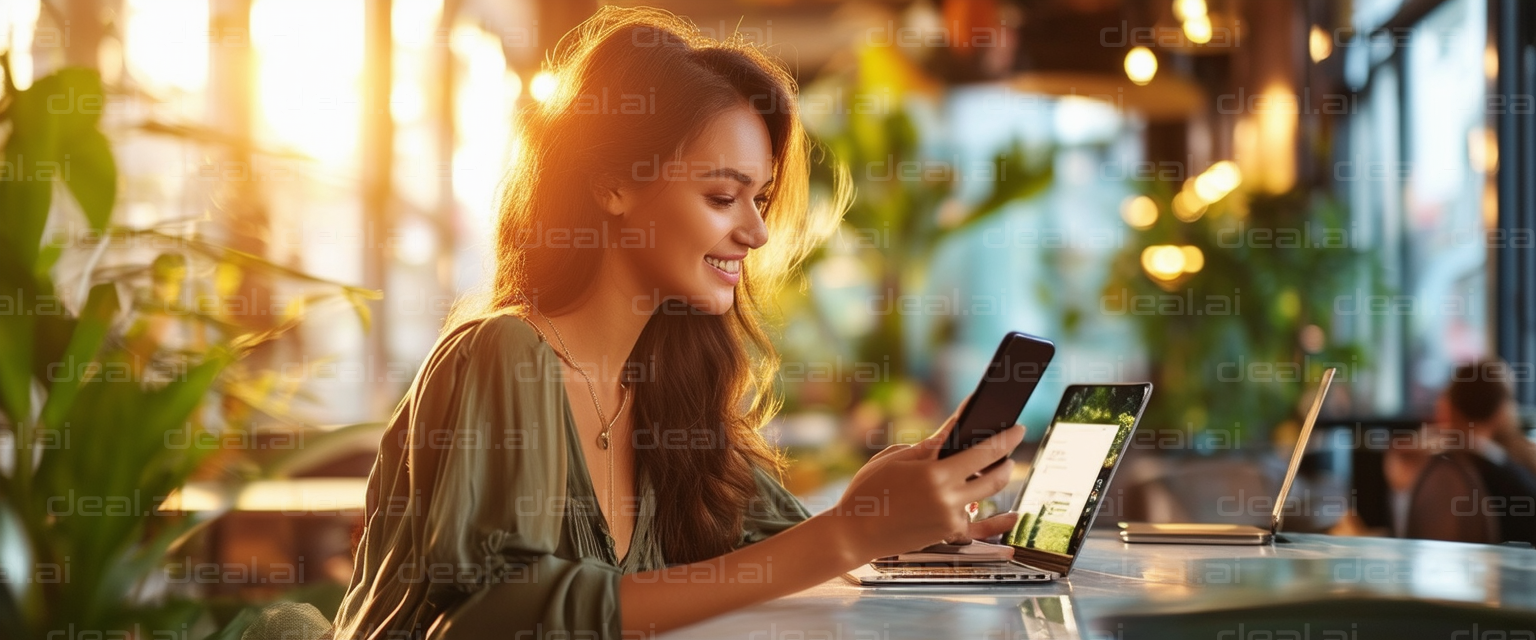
{"x": 612, "y": 197}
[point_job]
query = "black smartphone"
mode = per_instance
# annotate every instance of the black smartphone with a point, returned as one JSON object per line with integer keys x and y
{"x": 1011, "y": 378}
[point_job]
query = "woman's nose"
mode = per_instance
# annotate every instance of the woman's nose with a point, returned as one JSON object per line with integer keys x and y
{"x": 754, "y": 233}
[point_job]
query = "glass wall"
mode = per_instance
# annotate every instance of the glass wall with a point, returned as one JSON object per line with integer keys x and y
{"x": 1422, "y": 154}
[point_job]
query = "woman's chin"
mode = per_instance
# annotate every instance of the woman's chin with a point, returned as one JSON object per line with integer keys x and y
{"x": 714, "y": 302}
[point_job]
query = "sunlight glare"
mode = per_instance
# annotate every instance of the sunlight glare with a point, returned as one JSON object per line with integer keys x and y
{"x": 309, "y": 73}
{"x": 543, "y": 86}
{"x": 166, "y": 44}
{"x": 18, "y": 21}
{"x": 487, "y": 93}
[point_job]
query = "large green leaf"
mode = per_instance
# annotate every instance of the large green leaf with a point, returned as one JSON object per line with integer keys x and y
{"x": 54, "y": 138}
{"x": 17, "y": 326}
{"x": 24, "y": 204}
{"x": 90, "y": 329}
{"x": 118, "y": 430}
{"x": 135, "y": 561}
{"x": 91, "y": 175}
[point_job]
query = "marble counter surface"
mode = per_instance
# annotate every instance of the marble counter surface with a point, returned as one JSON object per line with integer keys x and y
{"x": 1113, "y": 578}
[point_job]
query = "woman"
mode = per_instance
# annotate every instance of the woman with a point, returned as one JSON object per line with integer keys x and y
{"x": 580, "y": 453}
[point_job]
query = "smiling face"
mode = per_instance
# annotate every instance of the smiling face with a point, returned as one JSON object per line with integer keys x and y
{"x": 706, "y": 212}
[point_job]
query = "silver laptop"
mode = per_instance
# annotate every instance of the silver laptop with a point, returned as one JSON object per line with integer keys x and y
{"x": 1180, "y": 533}
{"x": 1074, "y": 464}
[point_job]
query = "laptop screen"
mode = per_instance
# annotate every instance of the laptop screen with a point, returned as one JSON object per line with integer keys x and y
{"x": 1076, "y": 459}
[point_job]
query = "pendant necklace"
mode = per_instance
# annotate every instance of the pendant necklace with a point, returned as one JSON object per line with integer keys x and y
{"x": 603, "y": 437}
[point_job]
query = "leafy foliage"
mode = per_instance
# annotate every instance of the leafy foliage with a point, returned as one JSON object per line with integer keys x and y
{"x": 913, "y": 211}
{"x": 908, "y": 204}
{"x": 80, "y": 529}
{"x": 1240, "y": 341}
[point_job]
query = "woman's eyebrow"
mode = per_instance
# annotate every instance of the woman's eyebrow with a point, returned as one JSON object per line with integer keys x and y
{"x": 727, "y": 172}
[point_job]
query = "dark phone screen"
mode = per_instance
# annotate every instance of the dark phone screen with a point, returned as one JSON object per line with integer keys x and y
{"x": 1011, "y": 377}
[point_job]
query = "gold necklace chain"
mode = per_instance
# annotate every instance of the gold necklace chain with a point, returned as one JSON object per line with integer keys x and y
{"x": 603, "y": 439}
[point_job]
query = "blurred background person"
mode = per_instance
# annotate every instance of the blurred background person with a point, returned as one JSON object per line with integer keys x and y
{"x": 1478, "y": 411}
{"x": 1482, "y": 486}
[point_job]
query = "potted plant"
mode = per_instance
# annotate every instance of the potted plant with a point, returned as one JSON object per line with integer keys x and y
{"x": 101, "y": 401}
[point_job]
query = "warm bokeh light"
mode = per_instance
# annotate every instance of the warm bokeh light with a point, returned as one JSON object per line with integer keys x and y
{"x": 1187, "y": 206}
{"x": 1163, "y": 261}
{"x": 1139, "y": 211}
{"x": 1490, "y": 62}
{"x": 1483, "y": 149}
{"x": 309, "y": 61}
{"x": 1140, "y": 65}
{"x": 1319, "y": 44}
{"x": 1264, "y": 143}
{"x": 1217, "y": 181}
{"x": 1194, "y": 259}
{"x": 1169, "y": 262}
{"x": 542, "y": 86}
{"x": 167, "y": 45}
{"x": 1490, "y": 205}
{"x": 1198, "y": 29}
{"x": 1277, "y": 138}
{"x": 1187, "y": 9}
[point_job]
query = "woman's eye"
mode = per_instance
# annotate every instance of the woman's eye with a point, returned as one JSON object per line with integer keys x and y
{"x": 722, "y": 202}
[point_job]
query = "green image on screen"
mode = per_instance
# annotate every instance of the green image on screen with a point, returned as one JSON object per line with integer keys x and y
{"x": 1045, "y": 522}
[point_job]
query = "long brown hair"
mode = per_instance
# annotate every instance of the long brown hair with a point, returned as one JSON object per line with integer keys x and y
{"x": 636, "y": 86}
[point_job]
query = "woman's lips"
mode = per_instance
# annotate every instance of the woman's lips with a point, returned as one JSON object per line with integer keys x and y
{"x": 729, "y": 277}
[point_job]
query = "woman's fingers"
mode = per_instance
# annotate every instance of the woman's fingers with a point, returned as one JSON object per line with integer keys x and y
{"x": 988, "y": 483}
{"x": 1001, "y": 523}
{"x": 974, "y": 459}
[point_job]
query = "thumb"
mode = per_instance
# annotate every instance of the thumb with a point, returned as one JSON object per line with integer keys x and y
{"x": 896, "y": 450}
{"x": 933, "y": 443}
{"x": 1001, "y": 523}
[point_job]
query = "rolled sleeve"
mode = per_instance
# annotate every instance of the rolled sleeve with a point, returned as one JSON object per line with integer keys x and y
{"x": 467, "y": 503}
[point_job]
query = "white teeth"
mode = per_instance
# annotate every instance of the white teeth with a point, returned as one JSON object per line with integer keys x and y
{"x": 728, "y": 266}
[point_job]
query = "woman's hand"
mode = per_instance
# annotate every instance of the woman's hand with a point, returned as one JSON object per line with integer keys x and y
{"x": 906, "y": 498}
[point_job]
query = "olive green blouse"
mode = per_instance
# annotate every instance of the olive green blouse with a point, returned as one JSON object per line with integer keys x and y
{"x": 480, "y": 513}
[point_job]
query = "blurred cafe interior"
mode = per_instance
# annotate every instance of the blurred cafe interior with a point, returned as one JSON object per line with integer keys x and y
{"x": 234, "y": 233}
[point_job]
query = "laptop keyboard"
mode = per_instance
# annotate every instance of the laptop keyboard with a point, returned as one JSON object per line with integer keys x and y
{"x": 958, "y": 572}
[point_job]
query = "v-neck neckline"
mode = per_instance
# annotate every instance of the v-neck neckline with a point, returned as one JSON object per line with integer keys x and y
{"x": 581, "y": 457}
